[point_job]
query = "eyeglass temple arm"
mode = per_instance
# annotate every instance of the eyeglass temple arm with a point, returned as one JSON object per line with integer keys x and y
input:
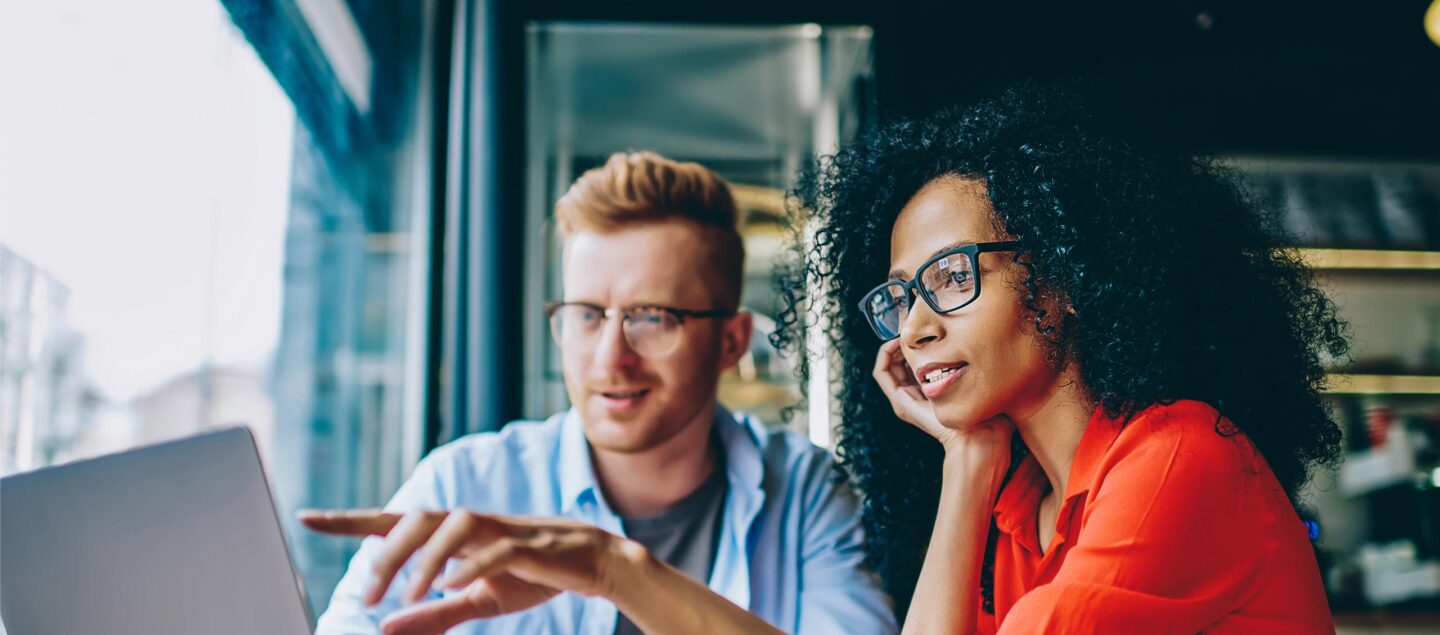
{"x": 684, "y": 314}
{"x": 1004, "y": 245}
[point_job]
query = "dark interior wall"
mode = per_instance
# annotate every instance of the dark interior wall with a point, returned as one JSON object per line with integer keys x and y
{"x": 1288, "y": 77}
{"x": 1315, "y": 78}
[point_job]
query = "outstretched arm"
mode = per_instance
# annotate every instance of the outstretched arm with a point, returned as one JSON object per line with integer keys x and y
{"x": 506, "y": 564}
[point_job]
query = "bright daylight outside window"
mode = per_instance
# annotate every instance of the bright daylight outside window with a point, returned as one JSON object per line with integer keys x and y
{"x": 179, "y": 250}
{"x": 144, "y": 179}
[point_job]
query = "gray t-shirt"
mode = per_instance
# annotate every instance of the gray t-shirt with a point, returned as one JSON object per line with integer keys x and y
{"x": 685, "y": 536}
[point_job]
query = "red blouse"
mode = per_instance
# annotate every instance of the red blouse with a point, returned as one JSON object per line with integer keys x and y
{"x": 1166, "y": 527}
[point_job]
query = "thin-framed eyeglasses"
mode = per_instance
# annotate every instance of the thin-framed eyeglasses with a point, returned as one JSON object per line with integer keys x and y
{"x": 947, "y": 282}
{"x": 649, "y": 330}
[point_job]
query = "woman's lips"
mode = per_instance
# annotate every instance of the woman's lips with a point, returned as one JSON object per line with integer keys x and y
{"x": 935, "y": 382}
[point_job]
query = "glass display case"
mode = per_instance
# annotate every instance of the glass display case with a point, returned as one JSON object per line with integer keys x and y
{"x": 753, "y": 103}
{"x": 1371, "y": 232}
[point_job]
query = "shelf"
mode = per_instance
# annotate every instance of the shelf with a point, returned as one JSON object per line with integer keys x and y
{"x": 1340, "y": 384}
{"x": 1371, "y": 259}
{"x": 1389, "y": 587}
{"x": 766, "y": 200}
{"x": 1409, "y": 622}
{"x": 745, "y": 395}
{"x": 1366, "y": 471}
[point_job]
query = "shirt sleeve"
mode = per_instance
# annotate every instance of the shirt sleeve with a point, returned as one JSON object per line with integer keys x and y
{"x": 839, "y": 594}
{"x": 1172, "y": 537}
{"x": 347, "y": 613}
{"x": 984, "y": 621}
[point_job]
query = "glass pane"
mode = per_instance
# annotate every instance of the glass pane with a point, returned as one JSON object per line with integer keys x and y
{"x": 145, "y": 178}
{"x": 179, "y": 252}
{"x": 752, "y": 103}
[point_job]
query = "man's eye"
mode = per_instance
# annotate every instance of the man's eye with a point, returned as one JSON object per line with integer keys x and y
{"x": 588, "y": 315}
{"x": 647, "y": 317}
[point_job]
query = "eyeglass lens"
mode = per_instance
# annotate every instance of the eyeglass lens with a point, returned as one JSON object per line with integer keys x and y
{"x": 650, "y": 332}
{"x": 949, "y": 282}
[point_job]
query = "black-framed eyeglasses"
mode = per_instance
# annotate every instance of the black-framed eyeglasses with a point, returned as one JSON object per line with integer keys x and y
{"x": 650, "y": 330}
{"x": 948, "y": 282}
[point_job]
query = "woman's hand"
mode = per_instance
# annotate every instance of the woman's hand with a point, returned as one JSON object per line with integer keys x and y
{"x": 976, "y": 458}
{"x": 898, "y": 382}
{"x": 505, "y": 564}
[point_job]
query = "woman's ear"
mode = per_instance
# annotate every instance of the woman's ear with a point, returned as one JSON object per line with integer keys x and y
{"x": 1055, "y": 324}
{"x": 1055, "y": 311}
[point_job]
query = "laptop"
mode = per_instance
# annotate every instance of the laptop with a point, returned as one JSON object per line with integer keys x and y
{"x": 179, "y": 537}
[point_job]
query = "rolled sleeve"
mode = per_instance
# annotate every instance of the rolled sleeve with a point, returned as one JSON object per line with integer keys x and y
{"x": 839, "y": 593}
{"x": 347, "y": 613}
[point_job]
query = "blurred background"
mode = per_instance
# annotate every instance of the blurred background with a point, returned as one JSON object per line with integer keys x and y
{"x": 328, "y": 220}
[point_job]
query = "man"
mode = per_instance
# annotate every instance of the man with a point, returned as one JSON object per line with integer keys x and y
{"x": 646, "y": 491}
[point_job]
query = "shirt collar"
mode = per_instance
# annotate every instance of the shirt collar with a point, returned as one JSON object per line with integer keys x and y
{"x": 1019, "y": 501}
{"x": 744, "y": 467}
{"x": 1100, "y": 434}
{"x": 576, "y": 472}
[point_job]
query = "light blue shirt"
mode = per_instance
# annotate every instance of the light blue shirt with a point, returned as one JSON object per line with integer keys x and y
{"x": 790, "y": 544}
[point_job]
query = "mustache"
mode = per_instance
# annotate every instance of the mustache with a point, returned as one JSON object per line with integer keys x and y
{"x": 611, "y": 382}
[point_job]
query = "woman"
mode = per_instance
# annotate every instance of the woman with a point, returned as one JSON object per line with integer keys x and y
{"x": 1124, "y": 416}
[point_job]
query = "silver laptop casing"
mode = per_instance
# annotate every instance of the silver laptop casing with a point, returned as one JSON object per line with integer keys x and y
{"x": 179, "y": 537}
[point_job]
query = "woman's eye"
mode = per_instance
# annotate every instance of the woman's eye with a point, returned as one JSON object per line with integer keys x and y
{"x": 955, "y": 278}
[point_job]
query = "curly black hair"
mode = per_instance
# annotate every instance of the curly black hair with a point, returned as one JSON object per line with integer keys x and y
{"x": 1182, "y": 284}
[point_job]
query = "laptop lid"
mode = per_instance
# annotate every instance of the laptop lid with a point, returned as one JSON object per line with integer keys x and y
{"x": 179, "y": 537}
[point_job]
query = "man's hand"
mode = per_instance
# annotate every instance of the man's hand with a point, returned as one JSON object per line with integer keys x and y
{"x": 505, "y": 564}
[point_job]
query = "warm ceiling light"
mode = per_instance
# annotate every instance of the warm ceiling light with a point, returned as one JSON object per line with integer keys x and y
{"x": 1432, "y": 22}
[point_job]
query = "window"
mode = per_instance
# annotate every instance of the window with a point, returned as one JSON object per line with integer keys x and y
{"x": 189, "y": 242}
{"x": 146, "y": 172}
